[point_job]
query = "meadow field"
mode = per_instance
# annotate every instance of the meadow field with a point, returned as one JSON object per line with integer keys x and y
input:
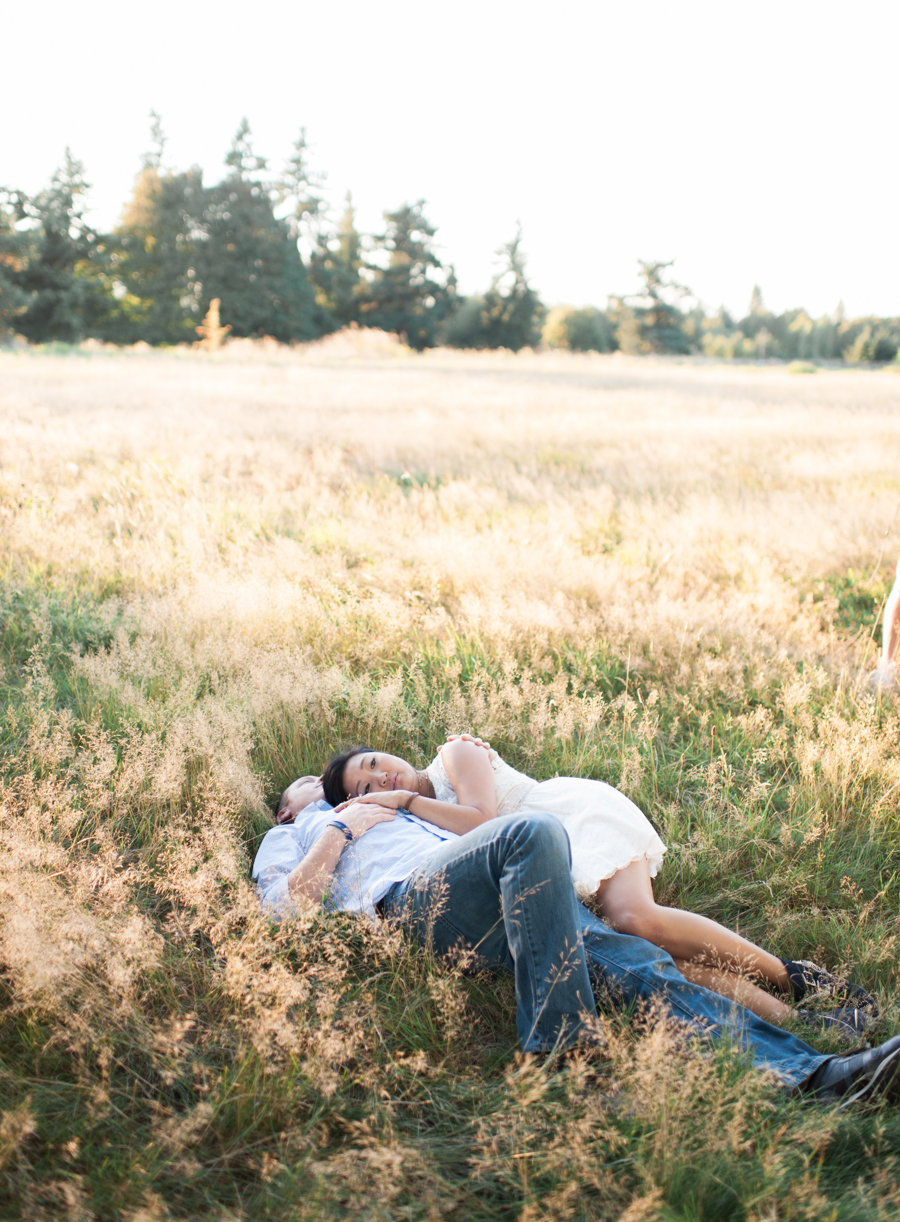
{"x": 216, "y": 568}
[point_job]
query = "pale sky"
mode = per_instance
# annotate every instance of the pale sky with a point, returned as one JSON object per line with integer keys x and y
{"x": 752, "y": 143}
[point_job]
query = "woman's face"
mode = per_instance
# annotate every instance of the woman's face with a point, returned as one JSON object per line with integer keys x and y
{"x": 375, "y": 772}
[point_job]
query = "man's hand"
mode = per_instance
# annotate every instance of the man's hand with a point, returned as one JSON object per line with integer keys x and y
{"x": 361, "y": 814}
{"x": 383, "y": 799}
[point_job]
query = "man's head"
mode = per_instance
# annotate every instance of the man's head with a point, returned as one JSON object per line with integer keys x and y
{"x": 298, "y": 796}
{"x": 360, "y": 770}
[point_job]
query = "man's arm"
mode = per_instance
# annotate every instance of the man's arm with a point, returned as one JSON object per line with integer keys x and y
{"x": 310, "y": 879}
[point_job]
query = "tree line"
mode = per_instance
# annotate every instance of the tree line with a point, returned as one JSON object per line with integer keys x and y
{"x": 282, "y": 263}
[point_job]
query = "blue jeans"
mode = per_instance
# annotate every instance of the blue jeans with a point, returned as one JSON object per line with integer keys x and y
{"x": 504, "y": 890}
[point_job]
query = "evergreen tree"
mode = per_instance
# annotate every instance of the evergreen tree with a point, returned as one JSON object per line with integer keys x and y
{"x": 335, "y": 269}
{"x": 301, "y": 188}
{"x": 153, "y": 289}
{"x": 510, "y": 313}
{"x": 762, "y": 327}
{"x": 408, "y": 291}
{"x": 513, "y": 311}
{"x": 152, "y": 265}
{"x": 13, "y": 250}
{"x": 660, "y": 322}
{"x": 56, "y": 273}
{"x": 249, "y": 259}
{"x": 464, "y": 328}
{"x": 240, "y": 158}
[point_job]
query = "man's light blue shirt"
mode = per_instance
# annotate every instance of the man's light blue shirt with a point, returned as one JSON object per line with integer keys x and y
{"x": 369, "y": 866}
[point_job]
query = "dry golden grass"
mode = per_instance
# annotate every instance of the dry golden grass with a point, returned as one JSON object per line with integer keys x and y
{"x": 216, "y": 567}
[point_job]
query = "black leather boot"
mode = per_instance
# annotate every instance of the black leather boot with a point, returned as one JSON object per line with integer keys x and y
{"x": 809, "y": 980}
{"x": 848, "y": 1022}
{"x": 858, "y": 1074}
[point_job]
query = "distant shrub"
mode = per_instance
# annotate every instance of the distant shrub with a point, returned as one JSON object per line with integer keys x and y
{"x": 464, "y": 329}
{"x": 884, "y": 347}
{"x": 801, "y": 367}
{"x": 590, "y": 330}
{"x": 556, "y": 331}
{"x": 728, "y": 346}
{"x": 871, "y": 344}
{"x": 584, "y": 330}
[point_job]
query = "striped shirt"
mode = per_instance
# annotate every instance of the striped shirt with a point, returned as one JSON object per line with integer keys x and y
{"x": 368, "y": 868}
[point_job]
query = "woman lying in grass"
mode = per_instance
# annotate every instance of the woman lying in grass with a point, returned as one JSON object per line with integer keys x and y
{"x": 615, "y": 854}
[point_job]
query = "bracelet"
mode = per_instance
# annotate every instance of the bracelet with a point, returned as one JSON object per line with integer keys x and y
{"x": 342, "y": 827}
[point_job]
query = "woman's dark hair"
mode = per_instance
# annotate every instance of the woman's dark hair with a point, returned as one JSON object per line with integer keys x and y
{"x": 333, "y": 775}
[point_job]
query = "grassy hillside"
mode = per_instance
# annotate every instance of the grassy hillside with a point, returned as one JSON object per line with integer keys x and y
{"x": 213, "y": 570}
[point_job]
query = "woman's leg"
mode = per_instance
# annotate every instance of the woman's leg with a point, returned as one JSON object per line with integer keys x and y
{"x": 886, "y": 671}
{"x": 738, "y": 988}
{"x": 626, "y": 901}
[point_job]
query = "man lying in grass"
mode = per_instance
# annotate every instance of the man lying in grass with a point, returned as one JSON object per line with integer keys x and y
{"x": 615, "y": 853}
{"x": 504, "y": 891}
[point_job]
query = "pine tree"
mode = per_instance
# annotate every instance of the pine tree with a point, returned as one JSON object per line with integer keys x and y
{"x": 302, "y": 189}
{"x": 56, "y": 273}
{"x": 149, "y": 267}
{"x": 249, "y": 258}
{"x": 13, "y": 250}
{"x": 510, "y": 313}
{"x": 240, "y": 158}
{"x": 152, "y": 266}
{"x": 660, "y": 320}
{"x": 409, "y": 291}
{"x": 335, "y": 269}
{"x": 770, "y": 334}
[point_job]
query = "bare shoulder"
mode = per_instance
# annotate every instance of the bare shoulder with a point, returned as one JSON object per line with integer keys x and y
{"x": 469, "y": 771}
{"x": 465, "y": 757}
{"x": 460, "y": 753}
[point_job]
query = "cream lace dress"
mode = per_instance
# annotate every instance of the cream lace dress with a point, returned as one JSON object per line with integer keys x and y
{"x": 606, "y": 830}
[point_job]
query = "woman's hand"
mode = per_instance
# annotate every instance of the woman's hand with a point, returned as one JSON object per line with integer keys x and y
{"x": 362, "y": 814}
{"x": 389, "y": 799}
{"x": 466, "y": 738}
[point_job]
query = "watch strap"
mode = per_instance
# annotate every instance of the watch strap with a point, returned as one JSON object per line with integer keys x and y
{"x": 342, "y": 827}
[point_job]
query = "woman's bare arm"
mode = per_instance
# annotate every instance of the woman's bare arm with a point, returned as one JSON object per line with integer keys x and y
{"x": 469, "y": 772}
